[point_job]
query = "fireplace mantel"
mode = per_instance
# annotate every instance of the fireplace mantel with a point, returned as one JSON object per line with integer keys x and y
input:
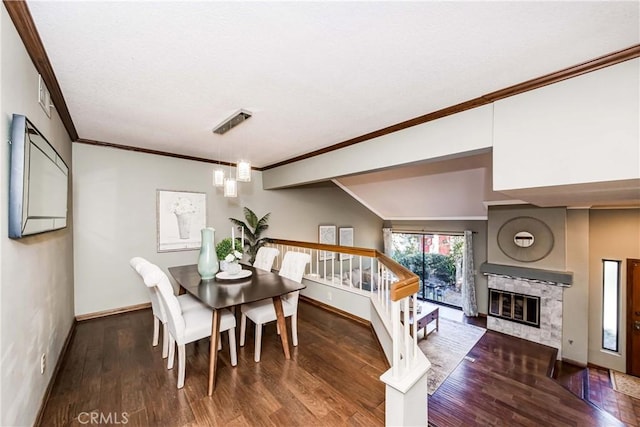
{"x": 560, "y": 278}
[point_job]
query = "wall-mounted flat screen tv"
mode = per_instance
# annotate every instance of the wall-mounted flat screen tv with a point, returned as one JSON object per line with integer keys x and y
{"x": 38, "y": 182}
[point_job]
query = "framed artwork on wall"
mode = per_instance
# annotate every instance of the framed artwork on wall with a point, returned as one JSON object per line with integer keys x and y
{"x": 345, "y": 236}
{"x": 326, "y": 235}
{"x": 180, "y": 215}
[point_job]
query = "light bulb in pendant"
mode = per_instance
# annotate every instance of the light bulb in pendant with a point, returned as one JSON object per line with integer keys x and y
{"x": 243, "y": 171}
{"x": 218, "y": 177}
{"x": 230, "y": 187}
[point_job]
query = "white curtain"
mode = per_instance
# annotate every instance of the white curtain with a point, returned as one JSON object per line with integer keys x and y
{"x": 387, "y": 241}
{"x": 469, "y": 304}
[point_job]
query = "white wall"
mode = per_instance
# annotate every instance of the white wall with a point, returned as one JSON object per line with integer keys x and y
{"x": 357, "y": 304}
{"x": 456, "y": 188}
{"x": 115, "y": 218}
{"x": 613, "y": 235}
{"x": 36, "y": 273}
{"x": 582, "y": 130}
{"x": 466, "y": 132}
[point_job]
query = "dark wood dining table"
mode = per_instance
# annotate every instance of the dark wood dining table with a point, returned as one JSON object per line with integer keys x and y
{"x": 219, "y": 294}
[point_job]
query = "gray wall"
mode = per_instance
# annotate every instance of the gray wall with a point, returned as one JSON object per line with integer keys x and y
{"x": 554, "y": 218}
{"x": 36, "y": 273}
{"x": 115, "y": 217}
{"x": 479, "y": 247}
{"x": 575, "y": 309}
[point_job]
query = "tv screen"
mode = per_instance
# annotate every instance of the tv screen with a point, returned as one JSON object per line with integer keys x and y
{"x": 38, "y": 182}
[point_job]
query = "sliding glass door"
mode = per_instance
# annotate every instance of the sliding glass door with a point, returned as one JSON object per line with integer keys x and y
{"x": 437, "y": 260}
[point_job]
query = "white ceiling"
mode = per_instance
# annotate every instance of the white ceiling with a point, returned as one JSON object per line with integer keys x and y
{"x": 161, "y": 75}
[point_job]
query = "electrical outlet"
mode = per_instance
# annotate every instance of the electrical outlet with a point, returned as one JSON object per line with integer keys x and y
{"x": 43, "y": 362}
{"x": 329, "y": 296}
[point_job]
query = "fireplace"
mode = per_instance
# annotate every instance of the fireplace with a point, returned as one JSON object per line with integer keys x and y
{"x": 516, "y": 307}
{"x": 526, "y": 302}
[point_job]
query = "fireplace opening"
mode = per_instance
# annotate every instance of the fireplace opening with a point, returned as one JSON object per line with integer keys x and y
{"x": 515, "y": 307}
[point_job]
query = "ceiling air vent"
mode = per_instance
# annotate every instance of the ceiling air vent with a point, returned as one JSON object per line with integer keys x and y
{"x": 233, "y": 121}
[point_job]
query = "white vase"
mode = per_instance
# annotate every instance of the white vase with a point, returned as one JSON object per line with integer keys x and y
{"x": 184, "y": 225}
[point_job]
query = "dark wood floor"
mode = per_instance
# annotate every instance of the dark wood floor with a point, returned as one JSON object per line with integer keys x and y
{"x": 601, "y": 394}
{"x": 332, "y": 379}
{"x": 506, "y": 382}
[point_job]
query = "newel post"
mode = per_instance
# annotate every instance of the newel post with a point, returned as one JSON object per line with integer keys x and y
{"x": 406, "y": 398}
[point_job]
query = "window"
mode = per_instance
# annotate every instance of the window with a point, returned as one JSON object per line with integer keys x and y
{"x": 610, "y": 304}
{"x": 437, "y": 260}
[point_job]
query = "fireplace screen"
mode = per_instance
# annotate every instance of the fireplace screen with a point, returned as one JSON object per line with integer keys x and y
{"x": 516, "y": 307}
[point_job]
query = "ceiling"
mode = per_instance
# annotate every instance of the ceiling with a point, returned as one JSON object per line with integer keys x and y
{"x": 160, "y": 75}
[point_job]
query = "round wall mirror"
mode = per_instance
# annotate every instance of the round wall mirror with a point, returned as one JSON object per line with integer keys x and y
{"x": 523, "y": 239}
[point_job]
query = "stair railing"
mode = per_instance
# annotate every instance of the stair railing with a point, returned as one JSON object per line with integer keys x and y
{"x": 393, "y": 290}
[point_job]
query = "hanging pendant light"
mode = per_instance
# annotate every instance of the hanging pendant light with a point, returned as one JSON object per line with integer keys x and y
{"x": 243, "y": 171}
{"x": 218, "y": 177}
{"x": 243, "y": 167}
{"x": 230, "y": 187}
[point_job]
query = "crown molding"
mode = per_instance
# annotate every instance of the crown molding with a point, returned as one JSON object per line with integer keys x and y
{"x": 564, "y": 74}
{"x": 155, "y": 152}
{"x": 22, "y": 20}
{"x": 21, "y": 17}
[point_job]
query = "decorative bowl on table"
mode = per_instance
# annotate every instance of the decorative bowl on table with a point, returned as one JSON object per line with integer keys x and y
{"x": 231, "y": 268}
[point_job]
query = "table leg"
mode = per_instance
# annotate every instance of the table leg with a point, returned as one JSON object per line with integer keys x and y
{"x": 282, "y": 324}
{"x": 213, "y": 350}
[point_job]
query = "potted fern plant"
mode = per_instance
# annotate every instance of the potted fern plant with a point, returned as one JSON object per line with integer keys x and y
{"x": 253, "y": 229}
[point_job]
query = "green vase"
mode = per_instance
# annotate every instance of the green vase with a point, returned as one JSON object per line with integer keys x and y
{"x": 208, "y": 264}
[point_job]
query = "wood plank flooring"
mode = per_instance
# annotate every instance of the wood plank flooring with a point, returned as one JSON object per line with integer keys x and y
{"x": 508, "y": 384}
{"x": 333, "y": 379}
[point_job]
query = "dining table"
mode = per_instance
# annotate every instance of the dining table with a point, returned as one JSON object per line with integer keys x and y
{"x": 226, "y": 291}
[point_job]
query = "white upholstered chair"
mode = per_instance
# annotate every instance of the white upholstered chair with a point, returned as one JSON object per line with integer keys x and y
{"x": 261, "y": 312}
{"x": 265, "y": 257}
{"x": 189, "y": 325}
{"x": 159, "y": 316}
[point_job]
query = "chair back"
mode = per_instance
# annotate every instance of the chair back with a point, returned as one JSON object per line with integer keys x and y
{"x": 293, "y": 266}
{"x": 155, "y": 279}
{"x": 265, "y": 257}
{"x": 156, "y": 305}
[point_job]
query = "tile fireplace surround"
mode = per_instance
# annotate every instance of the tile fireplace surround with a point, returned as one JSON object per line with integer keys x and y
{"x": 551, "y": 295}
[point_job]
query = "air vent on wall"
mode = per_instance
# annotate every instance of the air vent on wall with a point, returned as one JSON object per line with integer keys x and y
{"x": 233, "y": 121}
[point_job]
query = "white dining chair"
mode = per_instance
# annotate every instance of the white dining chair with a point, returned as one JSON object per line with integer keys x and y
{"x": 261, "y": 312}
{"x": 186, "y": 326}
{"x": 265, "y": 257}
{"x": 159, "y": 316}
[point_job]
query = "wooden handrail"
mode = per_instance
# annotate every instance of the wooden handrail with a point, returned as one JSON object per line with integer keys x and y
{"x": 408, "y": 283}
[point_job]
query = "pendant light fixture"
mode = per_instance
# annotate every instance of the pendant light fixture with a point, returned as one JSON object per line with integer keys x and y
{"x": 218, "y": 173}
{"x": 243, "y": 171}
{"x": 218, "y": 178}
{"x": 243, "y": 167}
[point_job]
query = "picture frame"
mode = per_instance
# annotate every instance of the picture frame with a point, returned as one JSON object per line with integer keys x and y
{"x": 345, "y": 238}
{"x": 180, "y": 215}
{"x": 327, "y": 236}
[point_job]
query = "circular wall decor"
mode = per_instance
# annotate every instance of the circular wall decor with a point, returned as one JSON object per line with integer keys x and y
{"x": 525, "y": 239}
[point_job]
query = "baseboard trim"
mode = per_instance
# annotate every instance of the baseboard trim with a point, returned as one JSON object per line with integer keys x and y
{"x": 337, "y": 311}
{"x": 573, "y": 362}
{"x": 98, "y": 314}
{"x": 56, "y": 370}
